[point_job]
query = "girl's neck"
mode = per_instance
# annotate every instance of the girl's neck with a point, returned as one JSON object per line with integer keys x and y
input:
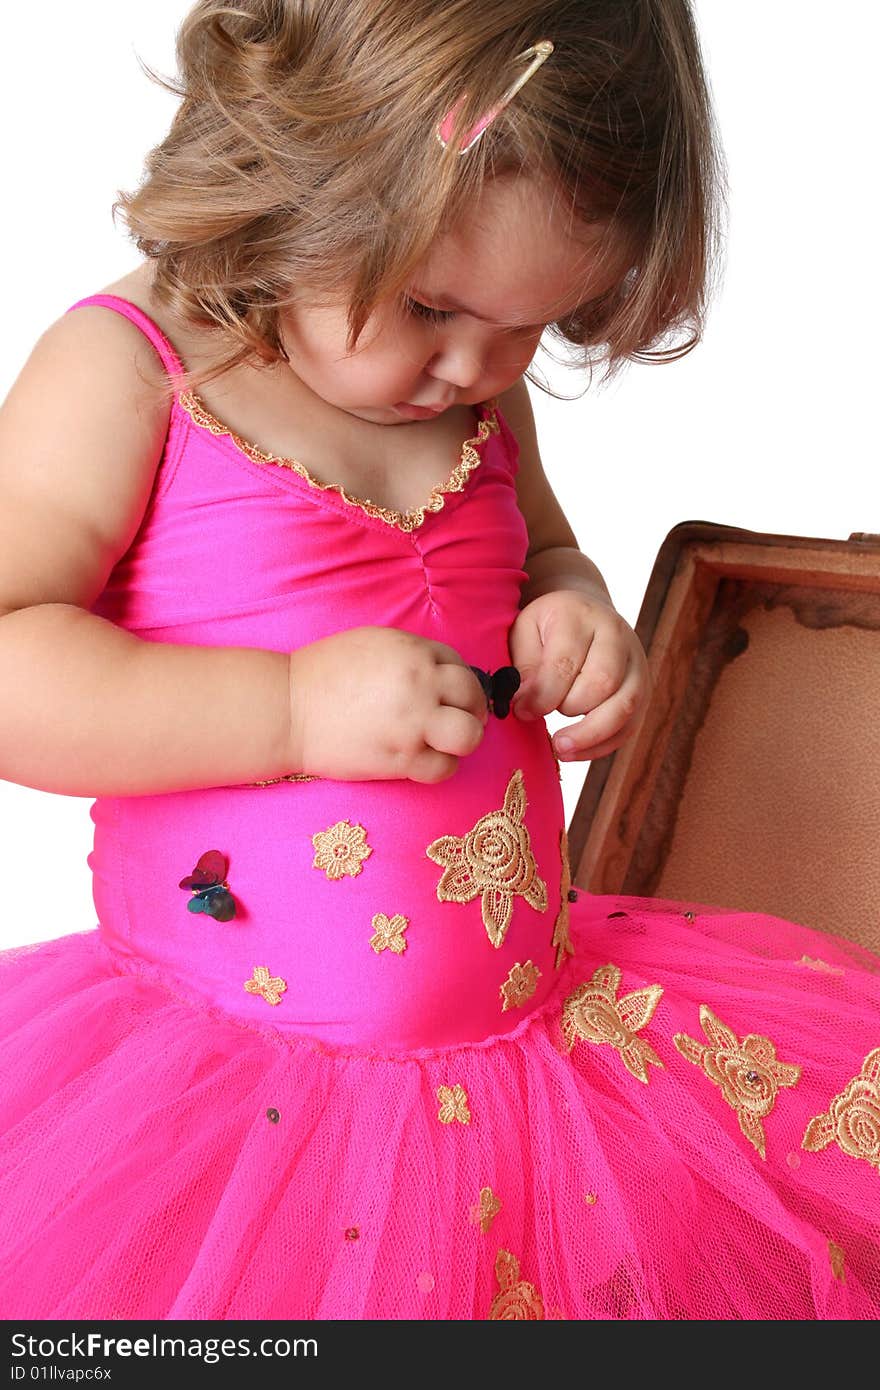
{"x": 271, "y": 408}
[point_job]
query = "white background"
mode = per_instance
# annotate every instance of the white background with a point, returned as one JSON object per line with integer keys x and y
{"x": 768, "y": 425}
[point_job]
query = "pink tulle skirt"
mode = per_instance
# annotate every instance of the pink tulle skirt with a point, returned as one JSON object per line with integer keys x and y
{"x": 688, "y": 1128}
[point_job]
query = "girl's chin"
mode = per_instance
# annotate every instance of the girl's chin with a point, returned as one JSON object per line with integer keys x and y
{"x": 418, "y": 412}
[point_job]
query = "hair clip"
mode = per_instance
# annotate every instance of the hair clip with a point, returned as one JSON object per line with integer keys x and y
{"x": 539, "y": 53}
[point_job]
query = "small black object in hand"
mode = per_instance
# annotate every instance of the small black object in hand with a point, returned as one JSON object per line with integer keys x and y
{"x": 499, "y": 687}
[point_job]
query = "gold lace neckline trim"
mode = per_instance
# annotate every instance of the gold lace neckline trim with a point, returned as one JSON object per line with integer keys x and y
{"x": 469, "y": 459}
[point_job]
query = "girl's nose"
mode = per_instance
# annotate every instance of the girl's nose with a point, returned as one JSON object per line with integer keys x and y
{"x": 456, "y": 364}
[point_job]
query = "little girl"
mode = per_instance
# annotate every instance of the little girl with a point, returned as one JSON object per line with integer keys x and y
{"x": 277, "y": 547}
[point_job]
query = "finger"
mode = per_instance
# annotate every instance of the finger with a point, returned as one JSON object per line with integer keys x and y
{"x": 459, "y": 688}
{"x": 614, "y": 719}
{"x": 560, "y": 665}
{"x": 453, "y": 731}
{"x": 445, "y": 655}
{"x": 602, "y": 675}
{"x": 526, "y": 652}
{"x": 431, "y": 766}
{"x": 599, "y": 750}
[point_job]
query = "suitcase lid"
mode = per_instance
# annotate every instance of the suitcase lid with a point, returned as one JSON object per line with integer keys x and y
{"x": 753, "y": 781}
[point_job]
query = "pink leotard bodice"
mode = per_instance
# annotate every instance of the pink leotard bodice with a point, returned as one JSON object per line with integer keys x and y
{"x": 373, "y": 916}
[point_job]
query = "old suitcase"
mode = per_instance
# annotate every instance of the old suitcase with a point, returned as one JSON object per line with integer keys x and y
{"x": 754, "y": 780}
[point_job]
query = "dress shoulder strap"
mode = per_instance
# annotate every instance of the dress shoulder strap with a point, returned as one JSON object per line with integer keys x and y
{"x": 170, "y": 360}
{"x": 178, "y": 423}
{"x": 509, "y": 439}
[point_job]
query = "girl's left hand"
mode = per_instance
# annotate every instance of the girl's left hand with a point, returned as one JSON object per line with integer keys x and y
{"x": 578, "y": 655}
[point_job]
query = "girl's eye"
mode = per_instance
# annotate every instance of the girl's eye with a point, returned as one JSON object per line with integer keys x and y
{"x": 424, "y": 311}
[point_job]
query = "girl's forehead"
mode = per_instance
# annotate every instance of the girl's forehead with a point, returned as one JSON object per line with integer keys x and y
{"x": 518, "y": 258}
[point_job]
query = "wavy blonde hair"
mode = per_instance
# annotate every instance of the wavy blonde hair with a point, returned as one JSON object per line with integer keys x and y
{"x": 303, "y": 155}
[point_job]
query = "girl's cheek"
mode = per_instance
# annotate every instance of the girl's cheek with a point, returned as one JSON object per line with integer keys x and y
{"x": 408, "y": 351}
{"x": 509, "y": 363}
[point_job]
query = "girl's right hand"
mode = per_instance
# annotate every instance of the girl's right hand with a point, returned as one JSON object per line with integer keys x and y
{"x": 378, "y": 703}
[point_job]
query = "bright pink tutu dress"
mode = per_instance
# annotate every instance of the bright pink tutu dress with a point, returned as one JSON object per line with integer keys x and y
{"x": 414, "y": 1076}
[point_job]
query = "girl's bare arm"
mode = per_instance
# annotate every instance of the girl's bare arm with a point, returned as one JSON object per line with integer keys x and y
{"x": 86, "y": 708}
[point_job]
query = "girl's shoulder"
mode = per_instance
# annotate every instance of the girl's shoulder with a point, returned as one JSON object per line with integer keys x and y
{"x": 82, "y": 431}
{"x": 137, "y": 288}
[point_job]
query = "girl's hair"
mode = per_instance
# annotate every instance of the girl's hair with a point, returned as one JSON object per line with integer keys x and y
{"x": 303, "y": 157}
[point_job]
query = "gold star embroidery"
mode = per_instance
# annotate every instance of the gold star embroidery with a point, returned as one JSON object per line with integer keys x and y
{"x": 518, "y": 1300}
{"x": 484, "y": 1214}
{"x": 561, "y": 939}
{"x": 341, "y": 850}
{"x": 852, "y": 1120}
{"x": 816, "y": 963}
{"x": 595, "y": 1014}
{"x": 519, "y": 986}
{"x": 494, "y": 859}
{"x": 453, "y": 1105}
{"x": 388, "y": 933}
{"x": 836, "y": 1259}
{"x": 269, "y": 986}
{"x": 747, "y": 1073}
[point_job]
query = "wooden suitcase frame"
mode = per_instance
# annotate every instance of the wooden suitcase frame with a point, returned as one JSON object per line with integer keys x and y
{"x": 729, "y": 793}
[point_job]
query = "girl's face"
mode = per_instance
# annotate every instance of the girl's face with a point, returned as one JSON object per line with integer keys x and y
{"x": 471, "y": 320}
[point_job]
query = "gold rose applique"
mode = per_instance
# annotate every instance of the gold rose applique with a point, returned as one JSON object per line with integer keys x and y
{"x": 494, "y": 859}
{"x": 519, "y": 986}
{"x": 561, "y": 939}
{"x": 388, "y": 933}
{"x": 517, "y": 1300}
{"x": 852, "y": 1121}
{"x": 341, "y": 850}
{"x": 270, "y": 987}
{"x": 595, "y": 1014}
{"x": 484, "y": 1213}
{"x": 747, "y": 1073}
{"x": 453, "y": 1105}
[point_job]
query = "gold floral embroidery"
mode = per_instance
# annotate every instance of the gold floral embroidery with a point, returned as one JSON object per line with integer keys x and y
{"x": 852, "y": 1120}
{"x": 590, "y": 1198}
{"x": 747, "y": 1073}
{"x": 288, "y": 777}
{"x": 593, "y": 1012}
{"x": 837, "y": 1257}
{"x": 453, "y": 1105}
{"x": 553, "y": 753}
{"x": 341, "y": 850}
{"x": 816, "y": 963}
{"x": 485, "y": 1212}
{"x": 561, "y": 939}
{"x": 388, "y": 933}
{"x": 269, "y": 987}
{"x": 517, "y": 1300}
{"x": 406, "y": 521}
{"x": 494, "y": 859}
{"x": 519, "y": 986}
